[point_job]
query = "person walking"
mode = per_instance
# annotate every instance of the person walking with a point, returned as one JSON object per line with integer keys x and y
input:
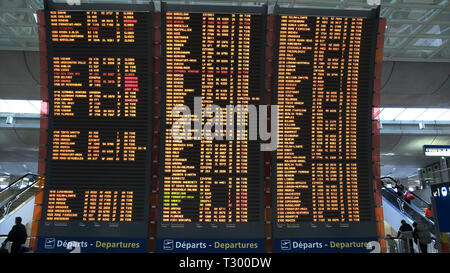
{"x": 18, "y": 236}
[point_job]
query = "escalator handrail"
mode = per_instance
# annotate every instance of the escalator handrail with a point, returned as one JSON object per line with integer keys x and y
{"x": 16, "y": 195}
{"x": 17, "y": 181}
{"x": 415, "y": 195}
{"x": 420, "y": 198}
{"x": 391, "y": 192}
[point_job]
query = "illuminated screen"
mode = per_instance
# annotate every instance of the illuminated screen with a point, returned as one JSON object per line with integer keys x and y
{"x": 322, "y": 165}
{"x": 211, "y": 185}
{"x": 213, "y": 60}
{"x": 436, "y": 150}
{"x": 97, "y": 177}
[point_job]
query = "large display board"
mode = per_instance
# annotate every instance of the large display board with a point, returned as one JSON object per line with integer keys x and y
{"x": 322, "y": 182}
{"x": 210, "y": 190}
{"x": 97, "y": 180}
{"x": 213, "y": 195}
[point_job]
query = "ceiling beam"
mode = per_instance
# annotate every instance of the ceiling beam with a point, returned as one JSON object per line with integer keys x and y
{"x": 444, "y": 45}
{"x": 411, "y": 38}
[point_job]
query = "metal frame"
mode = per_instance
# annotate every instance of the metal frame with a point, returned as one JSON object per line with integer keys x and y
{"x": 13, "y": 20}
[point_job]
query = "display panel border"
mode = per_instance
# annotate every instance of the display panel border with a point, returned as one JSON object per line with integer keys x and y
{"x": 142, "y": 225}
{"x": 209, "y": 233}
{"x": 256, "y": 10}
{"x": 368, "y": 227}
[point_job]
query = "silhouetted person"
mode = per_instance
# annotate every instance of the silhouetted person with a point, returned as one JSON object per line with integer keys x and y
{"x": 405, "y": 232}
{"x": 422, "y": 236}
{"x": 17, "y": 235}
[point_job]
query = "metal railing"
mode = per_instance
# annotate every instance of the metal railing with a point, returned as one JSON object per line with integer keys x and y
{"x": 8, "y": 244}
{"x": 20, "y": 182}
{"x": 395, "y": 245}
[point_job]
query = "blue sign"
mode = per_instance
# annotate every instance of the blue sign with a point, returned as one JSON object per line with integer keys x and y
{"x": 442, "y": 213}
{"x": 436, "y": 150}
{"x": 91, "y": 245}
{"x": 326, "y": 245}
{"x": 440, "y": 193}
{"x": 172, "y": 245}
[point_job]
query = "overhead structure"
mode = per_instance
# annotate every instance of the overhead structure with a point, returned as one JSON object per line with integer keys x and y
{"x": 417, "y": 30}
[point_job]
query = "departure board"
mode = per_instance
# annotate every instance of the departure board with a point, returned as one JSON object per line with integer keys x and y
{"x": 210, "y": 188}
{"x": 210, "y": 87}
{"x": 322, "y": 177}
{"x": 97, "y": 179}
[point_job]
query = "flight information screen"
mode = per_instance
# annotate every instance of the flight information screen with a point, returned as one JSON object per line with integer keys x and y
{"x": 97, "y": 178}
{"x": 210, "y": 187}
{"x": 322, "y": 177}
{"x": 214, "y": 124}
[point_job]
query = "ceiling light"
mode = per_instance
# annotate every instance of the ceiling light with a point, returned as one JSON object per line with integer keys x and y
{"x": 20, "y": 106}
{"x": 410, "y": 114}
{"x": 434, "y": 114}
{"x": 417, "y": 114}
{"x": 390, "y": 113}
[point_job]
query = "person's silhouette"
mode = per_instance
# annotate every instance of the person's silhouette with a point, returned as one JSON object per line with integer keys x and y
{"x": 405, "y": 232}
{"x": 17, "y": 235}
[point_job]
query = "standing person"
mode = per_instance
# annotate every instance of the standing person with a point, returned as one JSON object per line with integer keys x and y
{"x": 429, "y": 212}
{"x": 408, "y": 197}
{"x": 17, "y": 235}
{"x": 422, "y": 236}
{"x": 400, "y": 188}
{"x": 405, "y": 232}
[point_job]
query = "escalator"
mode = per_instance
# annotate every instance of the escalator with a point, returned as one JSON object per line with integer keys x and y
{"x": 396, "y": 209}
{"x": 17, "y": 194}
{"x": 418, "y": 201}
{"x": 17, "y": 199}
{"x": 410, "y": 211}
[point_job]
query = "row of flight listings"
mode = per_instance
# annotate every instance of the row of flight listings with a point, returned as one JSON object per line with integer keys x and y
{"x": 145, "y": 139}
